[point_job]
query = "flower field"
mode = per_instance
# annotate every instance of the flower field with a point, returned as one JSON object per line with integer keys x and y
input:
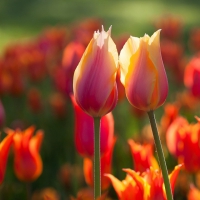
{"x": 48, "y": 115}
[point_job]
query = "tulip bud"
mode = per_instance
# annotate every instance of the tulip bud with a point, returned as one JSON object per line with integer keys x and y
{"x": 94, "y": 82}
{"x": 142, "y": 72}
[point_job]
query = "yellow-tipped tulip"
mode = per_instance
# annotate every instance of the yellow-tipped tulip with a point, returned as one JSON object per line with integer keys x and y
{"x": 143, "y": 73}
{"x": 94, "y": 82}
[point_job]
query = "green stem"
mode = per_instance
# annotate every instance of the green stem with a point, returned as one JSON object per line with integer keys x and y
{"x": 160, "y": 155}
{"x": 97, "y": 163}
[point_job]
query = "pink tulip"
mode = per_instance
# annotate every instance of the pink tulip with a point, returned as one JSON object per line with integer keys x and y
{"x": 143, "y": 73}
{"x": 94, "y": 82}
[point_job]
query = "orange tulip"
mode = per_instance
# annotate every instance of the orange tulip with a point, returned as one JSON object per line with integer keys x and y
{"x": 94, "y": 83}
{"x": 4, "y": 150}
{"x": 142, "y": 72}
{"x": 146, "y": 186}
{"x": 27, "y": 161}
{"x": 142, "y": 156}
{"x": 194, "y": 193}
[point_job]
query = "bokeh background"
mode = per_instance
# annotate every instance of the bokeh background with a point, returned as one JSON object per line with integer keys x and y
{"x": 23, "y": 22}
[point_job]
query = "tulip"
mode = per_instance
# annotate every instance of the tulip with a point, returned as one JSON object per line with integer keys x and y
{"x": 170, "y": 114}
{"x": 194, "y": 193}
{"x": 94, "y": 81}
{"x": 34, "y": 100}
{"x": 145, "y": 186}
{"x": 142, "y": 72}
{"x": 182, "y": 141}
{"x": 4, "y": 150}
{"x": 142, "y": 156}
{"x": 83, "y": 30}
{"x": 84, "y": 132}
{"x": 192, "y": 76}
{"x": 27, "y": 161}
{"x": 71, "y": 57}
{"x": 171, "y": 27}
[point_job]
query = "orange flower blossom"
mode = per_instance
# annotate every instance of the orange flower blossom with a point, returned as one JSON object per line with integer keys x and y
{"x": 4, "y": 150}
{"x": 94, "y": 82}
{"x": 142, "y": 72}
{"x": 146, "y": 186}
{"x": 194, "y": 193}
{"x": 27, "y": 161}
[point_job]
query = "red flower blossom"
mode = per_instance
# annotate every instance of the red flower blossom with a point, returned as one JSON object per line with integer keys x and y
{"x": 84, "y": 131}
{"x": 4, "y": 150}
{"x": 171, "y": 112}
{"x": 142, "y": 156}
{"x": 171, "y": 27}
{"x": 182, "y": 141}
{"x": 34, "y": 100}
{"x": 192, "y": 76}
{"x": 71, "y": 57}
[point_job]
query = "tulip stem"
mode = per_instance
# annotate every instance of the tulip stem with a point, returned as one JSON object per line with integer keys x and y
{"x": 160, "y": 155}
{"x": 97, "y": 163}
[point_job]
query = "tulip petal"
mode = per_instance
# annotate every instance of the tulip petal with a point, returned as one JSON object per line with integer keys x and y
{"x": 155, "y": 56}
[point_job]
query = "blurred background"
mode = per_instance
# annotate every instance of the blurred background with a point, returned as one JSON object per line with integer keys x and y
{"x": 34, "y": 88}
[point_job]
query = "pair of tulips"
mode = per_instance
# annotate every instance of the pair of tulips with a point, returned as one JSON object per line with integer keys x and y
{"x": 142, "y": 74}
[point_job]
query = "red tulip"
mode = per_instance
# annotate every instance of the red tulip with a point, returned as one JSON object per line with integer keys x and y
{"x": 4, "y": 150}
{"x": 171, "y": 27}
{"x": 192, "y": 76}
{"x": 170, "y": 114}
{"x": 27, "y": 160}
{"x": 84, "y": 132}
{"x": 71, "y": 57}
{"x": 34, "y": 100}
{"x": 142, "y": 156}
{"x": 182, "y": 141}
